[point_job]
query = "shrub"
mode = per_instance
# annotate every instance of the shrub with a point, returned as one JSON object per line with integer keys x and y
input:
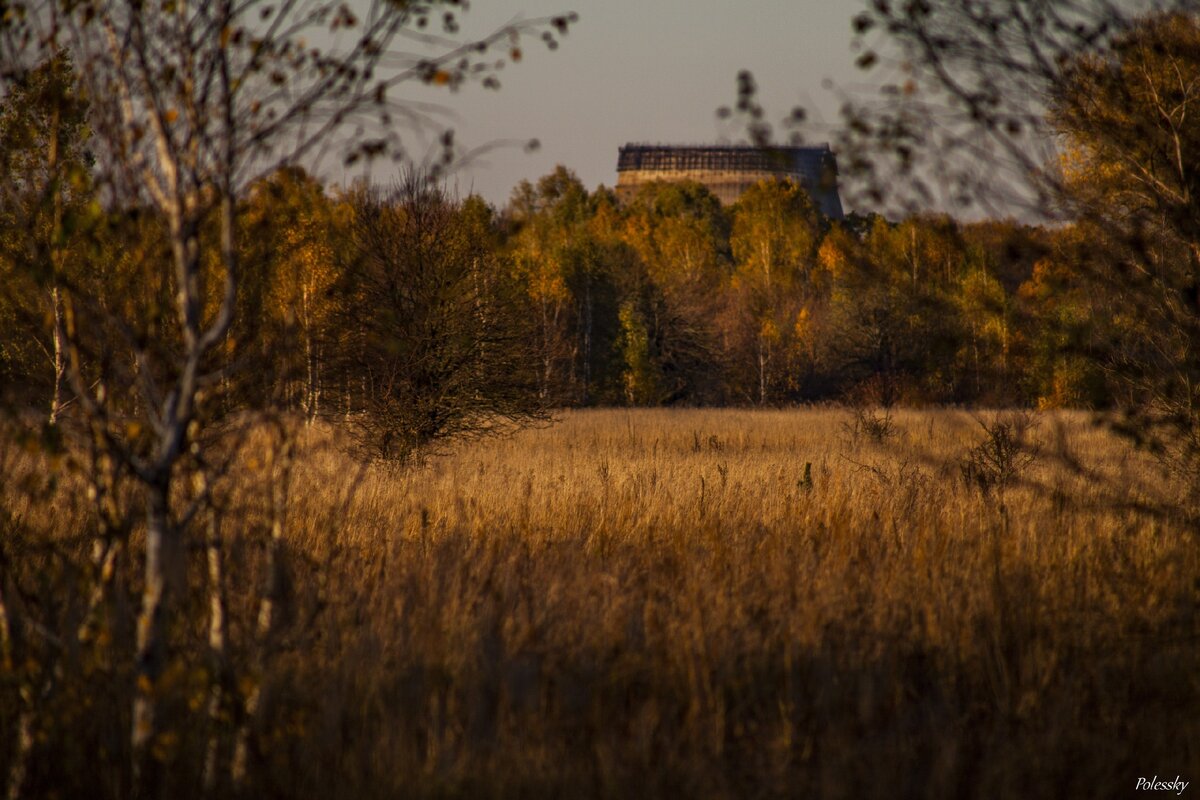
{"x": 1004, "y": 454}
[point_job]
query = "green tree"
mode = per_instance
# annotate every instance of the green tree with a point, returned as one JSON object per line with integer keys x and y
{"x": 641, "y": 377}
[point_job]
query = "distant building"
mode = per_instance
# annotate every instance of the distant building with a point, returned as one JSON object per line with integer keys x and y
{"x": 728, "y": 170}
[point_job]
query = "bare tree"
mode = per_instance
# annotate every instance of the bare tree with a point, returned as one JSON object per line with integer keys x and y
{"x": 191, "y": 103}
{"x": 435, "y": 339}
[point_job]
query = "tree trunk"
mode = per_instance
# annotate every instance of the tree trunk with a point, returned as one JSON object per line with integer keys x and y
{"x": 55, "y": 259}
{"x": 310, "y": 365}
{"x": 587, "y": 342}
{"x": 151, "y": 641}
{"x": 762, "y": 372}
{"x": 547, "y": 361}
{"x": 218, "y": 654}
{"x": 271, "y": 611}
{"x": 60, "y": 361}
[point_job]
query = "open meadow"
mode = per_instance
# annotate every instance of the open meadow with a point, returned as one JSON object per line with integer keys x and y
{"x": 708, "y": 604}
{"x": 330, "y": 473}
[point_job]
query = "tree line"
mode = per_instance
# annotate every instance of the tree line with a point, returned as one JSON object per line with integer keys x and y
{"x": 672, "y": 298}
{"x": 411, "y": 315}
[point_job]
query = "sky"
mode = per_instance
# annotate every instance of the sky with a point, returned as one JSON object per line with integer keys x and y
{"x": 641, "y": 71}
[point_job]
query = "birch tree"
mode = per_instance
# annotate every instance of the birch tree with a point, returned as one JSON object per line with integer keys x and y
{"x": 192, "y": 102}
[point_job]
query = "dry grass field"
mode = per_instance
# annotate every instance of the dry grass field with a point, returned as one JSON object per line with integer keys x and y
{"x": 728, "y": 604}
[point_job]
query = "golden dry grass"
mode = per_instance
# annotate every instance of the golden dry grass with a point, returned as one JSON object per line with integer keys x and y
{"x": 657, "y": 603}
{"x": 660, "y": 604}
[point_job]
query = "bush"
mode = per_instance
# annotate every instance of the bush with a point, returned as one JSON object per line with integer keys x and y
{"x": 873, "y": 424}
{"x": 1004, "y": 454}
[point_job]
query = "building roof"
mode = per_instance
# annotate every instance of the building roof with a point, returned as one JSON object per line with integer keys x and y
{"x": 783, "y": 160}
{"x": 721, "y": 167}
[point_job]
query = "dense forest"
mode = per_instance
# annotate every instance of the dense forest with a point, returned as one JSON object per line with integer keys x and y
{"x": 357, "y": 298}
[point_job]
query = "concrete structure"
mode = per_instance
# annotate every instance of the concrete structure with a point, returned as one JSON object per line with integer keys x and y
{"x": 727, "y": 170}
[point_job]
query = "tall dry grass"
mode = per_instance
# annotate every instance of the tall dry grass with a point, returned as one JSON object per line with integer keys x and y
{"x": 724, "y": 604}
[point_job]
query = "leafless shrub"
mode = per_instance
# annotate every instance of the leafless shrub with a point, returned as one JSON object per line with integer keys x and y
{"x": 875, "y": 425}
{"x": 1003, "y": 456}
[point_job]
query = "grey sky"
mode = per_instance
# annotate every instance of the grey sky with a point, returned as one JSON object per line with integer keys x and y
{"x": 642, "y": 70}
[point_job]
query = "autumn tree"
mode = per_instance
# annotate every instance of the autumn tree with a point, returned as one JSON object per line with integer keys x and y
{"x": 986, "y": 313}
{"x": 774, "y": 239}
{"x": 295, "y": 236}
{"x": 551, "y": 216}
{"x": 190, "y": 104}
{"x": 679, "y": 233}
{"x": 1131, "y": 156}
{"x": 576, "y": 266}
{"x": 921, "y": 263}
{"x": 1078, "y": 113}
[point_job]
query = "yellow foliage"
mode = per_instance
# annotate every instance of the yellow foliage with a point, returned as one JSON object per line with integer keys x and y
{"x": 768, "y": 330}
{"x": 803, "y": 327}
